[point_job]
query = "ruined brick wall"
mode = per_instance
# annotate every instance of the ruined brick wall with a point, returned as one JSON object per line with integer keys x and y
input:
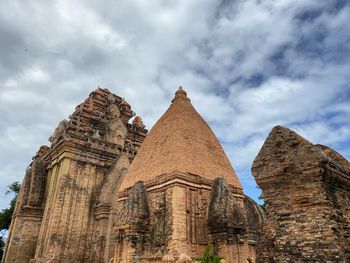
{"x": 306, "y": 195}
{"x": 336, "y": 181}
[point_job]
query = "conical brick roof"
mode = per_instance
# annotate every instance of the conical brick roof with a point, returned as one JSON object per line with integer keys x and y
{"x": 180, "y": 141}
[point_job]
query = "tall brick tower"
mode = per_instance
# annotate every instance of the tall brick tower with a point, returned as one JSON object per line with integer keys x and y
{"x": 63, "y": 212}
{"x": 180, "y": 194}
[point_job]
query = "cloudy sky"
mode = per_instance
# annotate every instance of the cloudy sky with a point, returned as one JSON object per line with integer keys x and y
{"x": 247, "y": 65}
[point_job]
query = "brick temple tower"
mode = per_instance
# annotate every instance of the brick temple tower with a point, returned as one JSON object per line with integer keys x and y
{"x": 104, "y": 191}
{"x": 63, "y": 212}
{"x": 181, "y": 193}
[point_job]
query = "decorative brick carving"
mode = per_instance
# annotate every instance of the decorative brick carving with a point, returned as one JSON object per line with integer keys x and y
{"x": 226, "y": 216}
{"x": 60, "y": 205}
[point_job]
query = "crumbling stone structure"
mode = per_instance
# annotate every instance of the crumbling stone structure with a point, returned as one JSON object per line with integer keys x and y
{"x": 81, "y": 202}
{"x": 105, "y": 192}
{"x": 63, "y": 212}
{"x": 306, "y": 188}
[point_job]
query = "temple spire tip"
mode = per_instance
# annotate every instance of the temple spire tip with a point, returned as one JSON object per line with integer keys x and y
{"x": 180, "y": 94}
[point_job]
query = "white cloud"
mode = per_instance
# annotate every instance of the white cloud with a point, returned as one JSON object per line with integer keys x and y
{"x": 246, "y": 65}
{"x": 321, "y": 132}
{"x": 36, "y": 75}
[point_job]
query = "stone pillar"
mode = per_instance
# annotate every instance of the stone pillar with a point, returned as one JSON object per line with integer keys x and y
{"x": 68, "y": 221}
{"x": 22, "y": 243}
{"x": 178, "y": 240}
{"x": 102, "y": 217}
{"x": 37, "y": 186}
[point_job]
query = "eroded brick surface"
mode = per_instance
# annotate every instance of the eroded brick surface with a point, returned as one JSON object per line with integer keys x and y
{"x": 68, "y": 189}
{"x": 306, "y": 188}
{"x": 80, "y": 202}
{"x": 193, "y": 193}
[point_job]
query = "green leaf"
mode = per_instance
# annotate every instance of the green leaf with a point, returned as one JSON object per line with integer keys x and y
{"x": 13, "y": 188}
{"x": 208, "y": 255}
{"x": 6, "y": 214}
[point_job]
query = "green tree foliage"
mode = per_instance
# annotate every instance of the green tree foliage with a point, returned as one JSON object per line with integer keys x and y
{"x": 208, "y": 255}
{"x": 2, "y": 246}
{"x": 13, "y": 188}
{"x": 6, "y": 214}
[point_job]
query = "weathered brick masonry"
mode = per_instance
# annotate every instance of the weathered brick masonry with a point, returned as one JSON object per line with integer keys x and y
{"x": 306, "y": 188}
{"x": 68, "y": 189}
{"x": 80, "y": 202}
{"x": 103, "y": 191}
{"x": 182, "y": 209}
